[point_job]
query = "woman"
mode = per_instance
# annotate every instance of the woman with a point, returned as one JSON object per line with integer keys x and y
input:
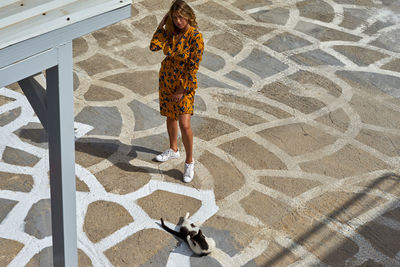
{"x": 177, "y": 35}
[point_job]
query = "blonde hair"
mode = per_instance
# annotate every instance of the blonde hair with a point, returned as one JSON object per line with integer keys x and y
{"x": 183, "y": 9}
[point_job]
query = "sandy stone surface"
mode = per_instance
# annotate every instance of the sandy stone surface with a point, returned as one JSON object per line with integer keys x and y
{"x": 38, "y": 219}
{"x": 89, "y": 153}
{"x": 157, "y": 203}
{"x": 210, "y": 128}
{"x": 103, "y": 218}
{"x": 45, "y": 258}
{"x": 230, "y": 235}
{"x": 118, "y": 179}
{"x": 98, "y": 93}
{"x": 276, "y": 208}
{"x": 336, "y": 119}
{"x": 9, "y": 249}
{"x": 138, "y": 249}
{"x": 19, "y": 157}
{"x": 227, "y": 42}
{"x": 311, "y": 234}
{"x": 6, "y": 206}
{"x": 308, "y": 138}
{"x": 353, "y": 161}
{"x": 222, "y": 171}
{"x": 385, "y": 143}
{"x": 393, "y": 65}
{"x": 360, "y": 56}
{"x": 343, "y": 206}
{"x": 16, "y": 182}
{"x": 5, "y": 100}
{"x": 285, "y": 258}
{"x": 308, "y": 78}
{"x": 247, "y": 102}
{"x": 289, "y": 186}
{"x": 316, "y": 10}
{"x": 301, "y": 103}
{"x": 253, "y": 154}
{"x": 99, "y": 63}
{"x": 34, "y": 134}
{"x": 296, "y": 142}
{"x": 81, "y": 186}
{"x": 388, "y": 183}
{"x": 375, "y": 113}
{"x": 241, "y": 115}
{"x": 9, "y": 116}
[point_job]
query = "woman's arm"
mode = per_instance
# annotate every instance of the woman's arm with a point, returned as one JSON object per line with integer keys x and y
{"x": 160, "y": 36}
{"x": 192, "y": 66}
{"x": 193, "y": 63}
{"x": 163, "y": 22}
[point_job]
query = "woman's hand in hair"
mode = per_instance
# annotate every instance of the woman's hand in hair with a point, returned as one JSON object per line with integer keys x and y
{"x": 163, "y": 21}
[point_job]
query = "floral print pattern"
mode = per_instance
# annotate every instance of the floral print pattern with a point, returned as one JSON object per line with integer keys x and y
{"x": 179, "y": 66}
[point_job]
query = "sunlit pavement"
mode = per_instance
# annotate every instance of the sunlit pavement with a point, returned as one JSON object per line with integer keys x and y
{"x": 297, "y": 142}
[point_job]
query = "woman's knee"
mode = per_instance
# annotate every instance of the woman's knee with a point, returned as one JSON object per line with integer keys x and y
{"x": 184, "y": 124}
{"x": 185, "y": 127}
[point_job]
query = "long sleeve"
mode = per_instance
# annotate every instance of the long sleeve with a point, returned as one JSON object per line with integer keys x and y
{"x": 159, "y": 40}
{"x": 192, "y": 65}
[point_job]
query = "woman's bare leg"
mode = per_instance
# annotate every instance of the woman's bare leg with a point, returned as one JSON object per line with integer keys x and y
{"x": 172, "y": 128}
{"x": 187, "y": 136}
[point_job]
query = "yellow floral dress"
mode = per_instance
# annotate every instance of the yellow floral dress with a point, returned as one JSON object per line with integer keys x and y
{"x": 179, "y": 66}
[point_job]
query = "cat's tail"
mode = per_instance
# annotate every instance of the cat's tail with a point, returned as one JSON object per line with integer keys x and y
{"x": 169, "y": 230}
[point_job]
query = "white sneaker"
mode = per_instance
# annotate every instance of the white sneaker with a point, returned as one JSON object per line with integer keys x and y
{"x": 188, "y": 174}
{"x": 167, "y": 155}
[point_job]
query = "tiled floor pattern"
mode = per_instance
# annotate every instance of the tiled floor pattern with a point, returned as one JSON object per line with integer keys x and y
{"x": 297, "y": 142}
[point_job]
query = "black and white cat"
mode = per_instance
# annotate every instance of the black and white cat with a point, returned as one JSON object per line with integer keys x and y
{"x": 194, "y": 237}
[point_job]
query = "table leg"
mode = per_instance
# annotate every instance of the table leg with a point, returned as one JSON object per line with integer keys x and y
{"x": 60, "y": 124}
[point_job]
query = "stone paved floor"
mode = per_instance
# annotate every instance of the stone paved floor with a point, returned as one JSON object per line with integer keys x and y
{"x": 297, "y": 142}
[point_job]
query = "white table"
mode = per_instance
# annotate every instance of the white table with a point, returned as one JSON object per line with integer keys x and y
{"x": 36, "y": 35}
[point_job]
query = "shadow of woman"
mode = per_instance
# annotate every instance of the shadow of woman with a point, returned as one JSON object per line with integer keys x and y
{"x": 100, "y": 149}
{"x": 105, "y": 149}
